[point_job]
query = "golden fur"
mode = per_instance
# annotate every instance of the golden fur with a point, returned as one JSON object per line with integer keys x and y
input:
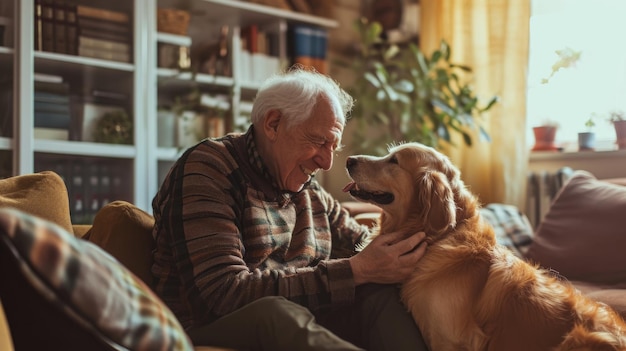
{"x": 467, "y": 292}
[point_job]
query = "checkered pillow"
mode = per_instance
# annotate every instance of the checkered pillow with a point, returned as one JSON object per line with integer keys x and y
{"x": 89, "y": 285}
{"x": 512, "y": 228}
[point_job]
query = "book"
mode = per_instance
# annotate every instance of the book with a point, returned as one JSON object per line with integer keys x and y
{"x": 71, "y": 28}
{"x": 45, "y": 97}
{"x": 320, "y": 43}
{"x": 47, "y": 25}
{"x": 51, "y": 133}
{"x": 43, "y": 77}
{"x": 53, "y": 120}
{"x": 105, "y": 95}
{"x": 103, "y": 44}
{"x": 99, "y": 34}
{"x": 104, "y": 54}
{"x": 100, "y": 13}
{"x": 60, "y": 28}
{"x": 50, "y": 87}
{"x": 104, "y": 25}
{"x": 51, "y": 107}
{"x": 301, "y": 44}
{"x": 38, "y": 44}
{"x": 249, "y": 36}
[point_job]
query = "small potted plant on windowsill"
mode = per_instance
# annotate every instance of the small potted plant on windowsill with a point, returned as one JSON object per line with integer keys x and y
{"x": 587, "y": 140}
{"x": 545, "y": 134}
{"x": 618, "y": 118}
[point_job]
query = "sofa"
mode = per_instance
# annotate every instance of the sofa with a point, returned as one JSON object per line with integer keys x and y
{"x": 87, "y": 287}
{"x": 78, "y": 287}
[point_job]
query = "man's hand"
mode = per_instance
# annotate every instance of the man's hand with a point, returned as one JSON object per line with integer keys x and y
{"x": 388, "y": 259}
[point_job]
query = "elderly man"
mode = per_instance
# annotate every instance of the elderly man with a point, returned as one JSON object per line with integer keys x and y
{"x": 253, "y": 254}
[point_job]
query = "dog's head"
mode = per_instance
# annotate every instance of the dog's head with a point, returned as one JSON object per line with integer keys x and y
{"x": 416, "y": 186}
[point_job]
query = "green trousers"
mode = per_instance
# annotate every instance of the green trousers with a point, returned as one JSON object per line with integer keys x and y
{"x": 377, "y": 321}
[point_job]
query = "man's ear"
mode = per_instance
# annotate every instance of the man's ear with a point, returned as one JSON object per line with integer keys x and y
{"x": 271, "y": 123}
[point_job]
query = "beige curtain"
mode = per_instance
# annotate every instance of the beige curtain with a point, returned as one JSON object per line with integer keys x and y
{"x": 491, "y": 36}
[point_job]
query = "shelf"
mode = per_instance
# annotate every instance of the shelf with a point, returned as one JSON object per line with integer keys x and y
{"x": 236, "y": 12}
{"x": 556, "y": 155}
{"x": 62, "y": 61}
{"x": 174, "y": 82}
{"x": 87, "y": 74}
{"x": 167, "y": 38}
{"x": 81, "y": 148}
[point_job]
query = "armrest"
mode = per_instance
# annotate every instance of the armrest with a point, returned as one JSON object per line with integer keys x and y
{"x": 6, "y": 342}
{"x": 80, "y": 229}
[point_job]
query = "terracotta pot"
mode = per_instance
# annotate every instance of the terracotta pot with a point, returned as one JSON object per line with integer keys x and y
{"x": 544, "y": 138}
{"x": 620, "y": 134}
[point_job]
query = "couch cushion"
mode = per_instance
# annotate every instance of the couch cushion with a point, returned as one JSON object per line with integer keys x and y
{"x": 125, "y": 231}
{"x": 613, "y": 295}
{"x": 511, "y": 227}
{"x": 42, "y": 194}
{"x": 583, "y": 234}
{"x": 72, "y": 281}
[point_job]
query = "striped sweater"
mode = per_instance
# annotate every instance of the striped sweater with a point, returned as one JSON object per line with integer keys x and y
{"x": 226, "y": 236}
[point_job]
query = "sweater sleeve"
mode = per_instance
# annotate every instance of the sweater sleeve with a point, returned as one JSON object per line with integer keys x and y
{"x": 348, "y": 234}
{"x": 202, "y": 263}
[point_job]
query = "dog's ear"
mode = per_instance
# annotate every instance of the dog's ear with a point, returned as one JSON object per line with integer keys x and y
{"x": 438, "y": 210}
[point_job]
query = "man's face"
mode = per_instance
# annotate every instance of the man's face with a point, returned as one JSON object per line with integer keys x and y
{"x": 304, "y": 149}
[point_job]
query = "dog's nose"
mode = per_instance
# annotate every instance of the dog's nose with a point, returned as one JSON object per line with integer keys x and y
{"x": 350, "y": 162}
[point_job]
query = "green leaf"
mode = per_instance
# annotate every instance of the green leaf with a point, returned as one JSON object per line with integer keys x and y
{"x": 404, "y": 95}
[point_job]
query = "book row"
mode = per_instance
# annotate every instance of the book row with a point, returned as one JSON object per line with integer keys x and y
{"x": 91, "y": 185}
{"x": 61, "y": 115}
{"x": 66, "y": 28}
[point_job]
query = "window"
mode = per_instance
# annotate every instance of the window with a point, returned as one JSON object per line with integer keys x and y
{"x": 595, "y": 84}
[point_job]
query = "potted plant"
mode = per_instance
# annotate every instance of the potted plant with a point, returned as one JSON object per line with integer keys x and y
{"x": 403, "y": 95}
{"x": 618, "y": 118}
{"x": 587, "y": 140}
{"x": 545, "y": 135}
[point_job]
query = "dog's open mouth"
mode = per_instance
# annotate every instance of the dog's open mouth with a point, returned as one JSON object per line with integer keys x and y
{"x": 379, "y": 197}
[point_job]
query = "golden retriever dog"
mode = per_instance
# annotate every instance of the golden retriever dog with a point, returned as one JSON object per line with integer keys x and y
{"x": 468, "y": 292}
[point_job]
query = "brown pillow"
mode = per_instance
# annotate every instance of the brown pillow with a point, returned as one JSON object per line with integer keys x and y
{"x": 583, "y": 235}
{"x": 125, "y": 232}
{"x": 66, "y": 293}
{"x": 41, "y": 194}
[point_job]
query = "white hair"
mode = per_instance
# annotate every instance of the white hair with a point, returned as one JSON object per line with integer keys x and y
{"x": 295, "y": 92}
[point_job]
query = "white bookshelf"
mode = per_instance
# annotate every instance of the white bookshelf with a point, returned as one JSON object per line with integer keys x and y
{"x": 141, "y": 80}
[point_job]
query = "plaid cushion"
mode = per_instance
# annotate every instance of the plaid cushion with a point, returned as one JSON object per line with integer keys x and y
{"x": 89, "y": 285}
{"x": 512, "y": 228}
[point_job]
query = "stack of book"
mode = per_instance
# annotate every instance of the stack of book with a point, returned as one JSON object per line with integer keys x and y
{"x": 308, "y": 45}
{"x": 259, "y": 55}
{"x": 66, "y": 28}
{"x": 55, "y": 27}
{"x": 104, "y": 34}
{"x": 52, "y": 108}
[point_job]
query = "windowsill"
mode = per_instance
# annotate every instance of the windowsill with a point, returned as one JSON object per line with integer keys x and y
{"x": 578, "y": 155}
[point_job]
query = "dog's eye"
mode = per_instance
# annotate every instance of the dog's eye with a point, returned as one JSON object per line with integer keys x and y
{"x": 394, "y": 159}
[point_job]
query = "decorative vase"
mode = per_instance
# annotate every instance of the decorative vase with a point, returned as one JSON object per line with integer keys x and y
{"x": 620, "y": 133}
{"x": 586, "y": 141}
{"x": 544, "y": 138}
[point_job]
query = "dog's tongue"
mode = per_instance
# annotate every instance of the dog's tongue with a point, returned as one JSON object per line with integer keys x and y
{"x": 349, "y": 186}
